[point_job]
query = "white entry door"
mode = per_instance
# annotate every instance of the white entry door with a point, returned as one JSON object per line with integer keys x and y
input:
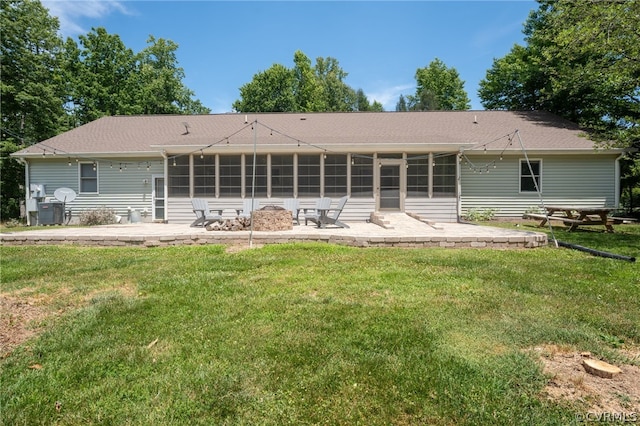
{"x": 157, "y": 188}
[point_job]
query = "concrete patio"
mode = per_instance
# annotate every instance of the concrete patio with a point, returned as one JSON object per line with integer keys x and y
{"x": 394, "y": 230}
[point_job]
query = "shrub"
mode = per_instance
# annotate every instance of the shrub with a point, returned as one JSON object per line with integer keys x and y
{"x": 13, "y": 223}
{"x": 100, "y": 216}
{"x": 534, "y": 210}
{"x": 475, "y": 215}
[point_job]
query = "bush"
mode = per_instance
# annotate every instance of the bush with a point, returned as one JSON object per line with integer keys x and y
{"x": 13, "y": 223}
{"x": 100, "y": 216}
{"x": 478, "y": 215}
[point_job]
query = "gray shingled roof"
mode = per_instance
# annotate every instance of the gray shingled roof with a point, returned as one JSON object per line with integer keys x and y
{"x": 404, "y": 131}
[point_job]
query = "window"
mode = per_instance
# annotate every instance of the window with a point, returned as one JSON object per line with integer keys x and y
{"x": 89, "y": 178}
{"x": 204, "y": 175}
{"x": 179, "y": 176}
{"x": 230, "y": 175}
{"x": 282, "y": 175}
{"x": 261, "y": 176}
{"x": 528, "y": 181}
{"x": 362, "y": 176}
{"x": 418, "y": 176}
{"x": 444, "y": 176}
{"x": 335, "y": 175}
{"x": 308, "y": 175}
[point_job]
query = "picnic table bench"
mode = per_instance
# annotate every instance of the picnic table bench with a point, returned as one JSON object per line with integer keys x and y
{"x": 576, "y": 216}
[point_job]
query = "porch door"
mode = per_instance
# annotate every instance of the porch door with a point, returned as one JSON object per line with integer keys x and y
{"x": 390, "y": 185}
{"x": 158, "y": 197}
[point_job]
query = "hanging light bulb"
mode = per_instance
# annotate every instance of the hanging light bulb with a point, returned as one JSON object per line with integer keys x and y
{"x": 174, "y": 162}
{"x": 69, "y": 160}
{"x": 201, "y": 154}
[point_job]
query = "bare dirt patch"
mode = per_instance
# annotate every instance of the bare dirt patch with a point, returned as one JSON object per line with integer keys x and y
{"x": 568, "y": 381}
{"x": 23, "y": 314}
{"x": 20, "y": 319}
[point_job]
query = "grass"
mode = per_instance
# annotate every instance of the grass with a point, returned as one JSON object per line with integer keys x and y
{"x": 308, "y": 333}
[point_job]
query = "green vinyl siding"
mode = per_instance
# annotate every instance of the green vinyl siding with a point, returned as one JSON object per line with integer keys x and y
{"x": 121, "y": 184}
{"x": 584, "y": 179}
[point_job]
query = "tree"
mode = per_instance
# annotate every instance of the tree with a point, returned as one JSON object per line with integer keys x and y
{"x": 302, "y": 89}
{"x": 582, "y": 62}
{"x": 307, "y": 89}
{"x": 438, "y": 88}
{"x": 402, "y": 104}
{"x": 107, "y": 78}
{"x": 269, "y": 91}
{"x": 159, "y": 79}
{"x": 31, "y": 85}
{"x": 99, "y": 74}
{"x": 31, "y": 90}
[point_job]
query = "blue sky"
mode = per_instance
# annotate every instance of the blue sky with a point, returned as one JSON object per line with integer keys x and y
{"x": 380, "y": 44}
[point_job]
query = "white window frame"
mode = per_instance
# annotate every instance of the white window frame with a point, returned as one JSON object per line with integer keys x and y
{"x": 81, "y": 178}
{"x": 520, "y": 176}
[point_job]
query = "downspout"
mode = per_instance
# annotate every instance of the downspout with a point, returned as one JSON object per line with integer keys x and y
{"x": 27, "y": 182}
{"x": 617, "y": 182}
{"x": 459, "y": 185}
{"x": 165, "y": 171}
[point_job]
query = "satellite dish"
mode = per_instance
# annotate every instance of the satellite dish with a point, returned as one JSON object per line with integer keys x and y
{"x": 64, "y": 194}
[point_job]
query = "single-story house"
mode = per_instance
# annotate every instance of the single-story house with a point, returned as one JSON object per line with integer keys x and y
{"x": 438, "y": 164}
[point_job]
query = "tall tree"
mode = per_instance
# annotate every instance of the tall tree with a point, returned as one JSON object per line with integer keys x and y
{"x": 307, "y": 89}
{"x": 269, "y": 91}
{"x": 439, "y": 88}
{"x": 160, "y": 81}
{"x": 31, "y": 95}
{"x": 402, "y": 104}
{"x": 302, "y": 88}
{"x": 99, "y": 77}
{"x": 582, "y": 62}
{"x": 31, "y": 85}
{"x": 107, "y": 78}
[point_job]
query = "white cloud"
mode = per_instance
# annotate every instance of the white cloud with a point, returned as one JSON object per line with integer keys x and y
{"x": 388, "y": 95}
{"x": 70, "y": 13}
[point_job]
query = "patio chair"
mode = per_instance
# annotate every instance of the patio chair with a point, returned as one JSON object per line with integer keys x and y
{"x": 322, "y": 205}
{"x": 293, "y": 205}
{"x": 248, "y": 206}
{"x": 203, "y": 215}
{"x": 330, "y": 217}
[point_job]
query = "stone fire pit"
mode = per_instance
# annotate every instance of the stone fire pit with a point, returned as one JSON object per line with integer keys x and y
{"x": 272, "y": 218}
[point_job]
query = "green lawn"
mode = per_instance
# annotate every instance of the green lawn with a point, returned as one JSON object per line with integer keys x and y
{"x": 308, "y": 333}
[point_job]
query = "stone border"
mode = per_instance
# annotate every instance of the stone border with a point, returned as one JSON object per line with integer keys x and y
{"x": 497, "y": 242}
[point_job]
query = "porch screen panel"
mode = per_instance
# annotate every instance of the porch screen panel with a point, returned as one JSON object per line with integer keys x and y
{"x": 261, "y": 175}
{"x": 179, "y": 176}
{"x": 204, "y": 175}
{"x": 362, "y": 176}
{"x": 444, "y": 176}
{"x": 309, "y": 175}
{"x": 230, "y": 171}
{"x": 282, "y": 175}
{"x": 335, "y": 175}
{"x": 418, "y": 176}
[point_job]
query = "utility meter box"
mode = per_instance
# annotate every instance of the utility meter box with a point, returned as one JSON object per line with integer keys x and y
{"x": 37, "y": 190}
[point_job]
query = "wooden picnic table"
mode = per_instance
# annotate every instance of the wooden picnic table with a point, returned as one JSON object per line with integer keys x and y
{"x": 576, "y": 216}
